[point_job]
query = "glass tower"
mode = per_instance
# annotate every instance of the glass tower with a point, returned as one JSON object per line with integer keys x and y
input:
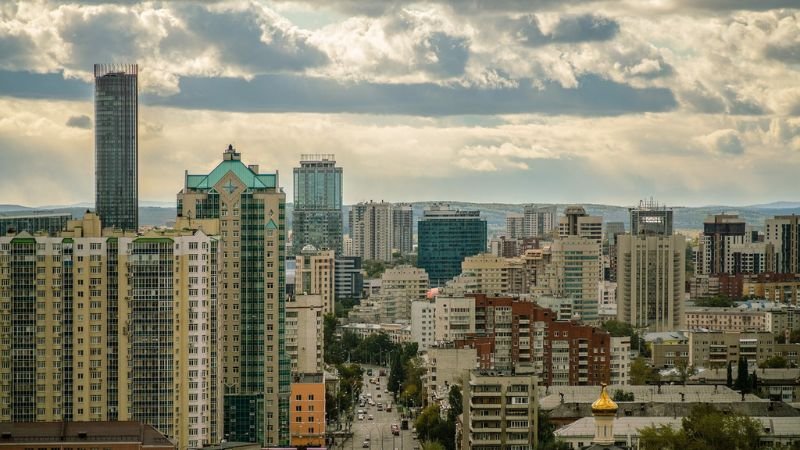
{"x": 317, "y": 217}
{"x": 116, "y": 141}
{"x": 446, "y": 237}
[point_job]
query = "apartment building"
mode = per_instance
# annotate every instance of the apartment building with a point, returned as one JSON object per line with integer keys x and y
{"x": 574, "y": 270}
{"x": 496, "y": 275}
{"x": 734, "y": 320}
{"x": 620, "y": 360}
{"x": 445, "y": 367}
{"x": 422, "y": 323}
{"x": 400, "y": 286}
{"x": 510, "y": 332}
{"x": 717, "y": 348}
{"x": 315, "y": 274}
{"x": 304, "y": 333}
{"x": 576, "y": 222}
{"x": 372, "y": 229}
{"x": 115, "y": 326}
{"x": 454, "y": 318}
{"x": 500, "y": 411}
{"x": 307, "y": 406}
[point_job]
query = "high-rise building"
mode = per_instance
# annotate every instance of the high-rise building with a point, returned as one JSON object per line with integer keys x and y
{"x": 113, "y": 326}
{"x": 446, "y": 237}
{"x": 720, "y": 232}
{"x": 576, "y": 222}
{"x": 515, "y": 226}
{"x": 250, "y": 207}
{"x": 348, "y": 281}
{"x": 783, "y": 233}
{"x": 116, "y": 142}
{"x": 650, "y": 218}
{"x": 651, "y": 281}
{"x": 317, "y": 216}
{"x": 304, "y": 339}
{"x": 573, "y": 272}
{"x": 403, "y": 228}
{"x": 314, "y": 274}
{"x": 400, "y": 286}
{"x": 539, "y": 221}
{"x": 371, "y": 226}
{"x": 495, "y": 275}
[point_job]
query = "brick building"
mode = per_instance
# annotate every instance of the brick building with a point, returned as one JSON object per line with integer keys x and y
{"x": 509, "y": 332}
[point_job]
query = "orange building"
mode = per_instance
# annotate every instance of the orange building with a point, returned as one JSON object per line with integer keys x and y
{"x": 307, "y": 411}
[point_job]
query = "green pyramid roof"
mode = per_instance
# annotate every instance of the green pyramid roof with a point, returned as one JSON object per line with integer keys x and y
{"x": 242, "y": 172}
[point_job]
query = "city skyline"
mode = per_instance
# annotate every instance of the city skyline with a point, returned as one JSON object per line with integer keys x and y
{"x": 568, "y": 102}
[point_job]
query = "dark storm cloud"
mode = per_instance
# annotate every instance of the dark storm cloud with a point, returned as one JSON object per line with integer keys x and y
{"x": 237, "y": 35}
{"x": 450, "y": 53}
{"x": 83, "y": 122}
{"x": 16, "y": 51}
{"x": 569, "y": 29}
{"x": 109, "y": 35}
{"x": 594, "y": 96}
{"x": 43, "y": 86}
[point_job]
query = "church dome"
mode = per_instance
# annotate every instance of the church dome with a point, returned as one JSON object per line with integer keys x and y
{"x": 604, "y": 405}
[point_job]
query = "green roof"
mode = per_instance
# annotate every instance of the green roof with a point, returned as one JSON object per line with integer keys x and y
{"x": 242, "y": 172}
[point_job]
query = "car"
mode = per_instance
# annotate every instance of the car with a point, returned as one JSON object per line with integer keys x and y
{"x": 395, "y": 429}
{"x": 389, "y": 407}
{"x": 370, "y": 417}
{"x": 360, "y": 417}
{"x": 385, "y": 391}
{"x": 361, "y": 411}
{"x": 365, "y": 444}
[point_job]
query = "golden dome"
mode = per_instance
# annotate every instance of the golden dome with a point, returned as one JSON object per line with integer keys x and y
{"x": 604, "y": 404}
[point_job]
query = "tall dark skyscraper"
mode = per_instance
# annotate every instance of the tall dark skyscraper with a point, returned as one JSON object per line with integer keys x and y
{"x": 446, "y": 237}
{"x": 116, "y": 143}
{"x": 317, "y": 216}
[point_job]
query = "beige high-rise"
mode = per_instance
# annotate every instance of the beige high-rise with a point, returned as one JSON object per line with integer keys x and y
{"x": 314, "y": 275}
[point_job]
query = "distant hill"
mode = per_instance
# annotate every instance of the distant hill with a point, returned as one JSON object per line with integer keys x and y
{"x": 685, "y": 218}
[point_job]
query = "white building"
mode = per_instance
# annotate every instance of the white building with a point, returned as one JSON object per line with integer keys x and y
{"x": 620, "y": 360}
{"x": 422, "y": 323}
{"x": 304, "y": 333}
{"x": 454, "y": 318}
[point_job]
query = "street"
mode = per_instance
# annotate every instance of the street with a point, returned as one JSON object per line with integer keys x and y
{"x": 378, "y": 430}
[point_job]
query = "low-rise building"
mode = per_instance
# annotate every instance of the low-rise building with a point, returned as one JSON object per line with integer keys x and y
{"x": 307, "y": 410}
{"x": 725, "y": 319}
{"x": 397, "y": 332}
{"x": 715, "y": 348}
{"x": 620, "y": 360}
{"x": 776, "y": 384}
{"x": 112, "y": 435}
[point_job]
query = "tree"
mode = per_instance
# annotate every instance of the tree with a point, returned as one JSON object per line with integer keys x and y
{"x": 742, "y": 376}
{"x": 547, "y": 437}
{"x": 456, "y": 401}
{"x": 754, "y": 382}
{"x": 427, "y": 421}
{"x": 432, "y": 445}
{"x": 641, "y": 373}
{"x": 617, "y": 328}
{"x": 794, "y": 337}
{"x": 729, "y": 382}
{"x": 775, "y": 362}
{"x": 705, "y": 428}
{"x": 685, "y": 370}
{"x": 715, "y": 302}
{"x": 622, "y": 396}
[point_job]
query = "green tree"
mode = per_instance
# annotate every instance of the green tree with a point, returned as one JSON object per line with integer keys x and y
{"x": 427, "y": 421}
{"x": 719, "y": 301}
{"x": 742, "y": 376}
{"x": 432, "y": 445}
{"x": 618, "y": 328}
{"x": 641, "y": 373}
{"x": 685, "y": 370}
{"x": 622, "y": 396}
{"x": 775, "y": 362}
{"x": 729, "y": 381}
{"x": 374, "y": 269}
{"x": 546, "y": 433}
{"x": 705, "y": 428}
{"x": 456, "y": 401}
{"x": 794, "y": 337}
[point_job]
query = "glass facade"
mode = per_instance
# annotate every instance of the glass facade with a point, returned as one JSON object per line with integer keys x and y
{"x": 116, "y": 113}
{"x": 49, "y": 223}
{"x": 317, "y": 218}
{"x": 446, "y": 237}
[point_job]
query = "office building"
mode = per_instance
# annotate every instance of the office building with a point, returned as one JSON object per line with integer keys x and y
{"x": 613, "y": 229}
{"x": 651, "y": 281}
{"x": 515, "y": 226}
{"x": 720, "y": 232}
{"x": 304, "y": 333}
{"x": 317, "y": 216}
{"x": 308, "y": 411}
{"x": 539, "y": 221}
{"x": 400, "y": 286}
{"x": 573, "y": 272}
{"x": 250, "y": 207}
{"x": 36, "y": 222}
{"x": 314, "y": 273}
{"x": 116, "y": 142}
{"x": 576, "y": 222}
{"x": 783, "y": 235}
{"x": 371, "y": 226}
{"x": 500, "y": 411}
{"x": 348, "y": 280}
{"x": 446, "y": 237}
{"x": 403, "y": 228}
{"x": 112, "y": 327}
{"x": 651, "y": 219}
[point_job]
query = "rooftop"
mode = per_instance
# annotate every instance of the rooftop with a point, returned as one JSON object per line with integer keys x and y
{"x": 551, "y": 398}
{"x": 630, "y": 426}
{"x": 232, "y": 163}
{"x": 81, "y": 432}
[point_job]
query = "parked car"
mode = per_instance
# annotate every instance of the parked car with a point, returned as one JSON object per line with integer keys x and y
{"x": 395, "y": 429}
{"x": 360, "y": 417}
{"x": 370, "y": 417}
{"x": 365, "y": 444}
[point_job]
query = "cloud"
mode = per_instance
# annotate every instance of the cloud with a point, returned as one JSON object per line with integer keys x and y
{"x": 82, "y": 121}
{"x": 723, "y": 142}
{"x": 491, "y": 158}
{"x": 444, "y": 55}
{"x": 567, "y": 29}
{"x": 278, "y": 93}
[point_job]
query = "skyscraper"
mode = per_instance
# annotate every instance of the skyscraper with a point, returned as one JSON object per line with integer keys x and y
{"x": 255, "y": 368}
{"x": 317, "y": 217}
{"x": 403, "y": 228}
{"x": 651, "y": 218}
{"x": 446, "y": 237}
{"x": 720, "y": 233}
{"x": 116, "y": 142}
{"x": 539, "y": 221}
{"x": 371, "y": 226}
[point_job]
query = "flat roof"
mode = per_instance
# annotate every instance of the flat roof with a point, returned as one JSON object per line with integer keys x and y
{"x": 106, "y": 431}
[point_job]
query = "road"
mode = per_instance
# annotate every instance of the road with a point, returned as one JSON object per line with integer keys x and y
{"x": 379, "y": 429}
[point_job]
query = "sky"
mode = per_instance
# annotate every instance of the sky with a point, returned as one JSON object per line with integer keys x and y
{"x": 692, "y": 102}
